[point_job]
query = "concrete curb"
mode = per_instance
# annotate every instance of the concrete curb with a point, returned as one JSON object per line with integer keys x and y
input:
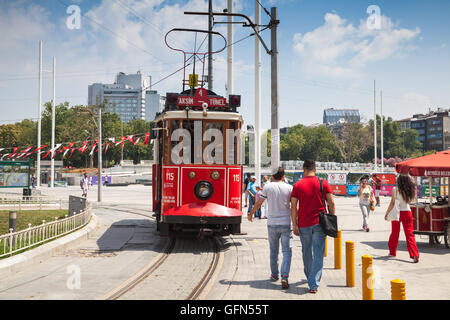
{"x": 21, "y": 261}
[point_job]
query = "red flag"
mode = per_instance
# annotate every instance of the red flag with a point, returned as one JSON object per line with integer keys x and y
{"x": 13, "y": 154}
{"x": 41, "y": 148}
{"x": 84, "y": 147}
{"x": 130, "y": 138}
{"x": 106, "y": 146}
{"x": 147, "y": 138}
{"x": 137, "y": 141}
{"x": 122, "y": 142}
{"x": 93, "y": 147}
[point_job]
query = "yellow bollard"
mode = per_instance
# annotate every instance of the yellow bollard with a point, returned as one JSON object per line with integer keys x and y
{"x": 398, "y": 289}
{"x": 337, "y": 251}
{"x": 367, "y": 277}
{"x": 350, "y": 262}
{"x": 325, "y": 252}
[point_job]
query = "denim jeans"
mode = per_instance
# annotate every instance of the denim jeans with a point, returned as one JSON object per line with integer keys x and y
{"x": 251, "y": 202}
{"x": 313, "y": 249}
{"x": 284, "y": 233}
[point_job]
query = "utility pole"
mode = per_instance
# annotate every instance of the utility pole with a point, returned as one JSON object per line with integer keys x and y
{"x": 275, "y": 128}
{"x": 375, "y": 125}
{"x": 52, "y": 161}
{"x": 382, "y": 137}
{"x": 99, "y": 196}
{"x": 38, "y": 161}
{"x": 273, "y": 52}
{"x": 230, "y": 50}
{"x": 257, "y": 97}
{"x": 210, "y": 45}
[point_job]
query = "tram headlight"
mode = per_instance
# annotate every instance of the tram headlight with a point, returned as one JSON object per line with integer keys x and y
{"x": 203, "y": 190}
{"x": 215, "y": 175}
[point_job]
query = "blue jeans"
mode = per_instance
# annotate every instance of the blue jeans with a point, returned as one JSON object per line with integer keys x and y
{"x": 275, "y": 233}
{"x": 251, "y": 202}
{"x": 313, "y": 249}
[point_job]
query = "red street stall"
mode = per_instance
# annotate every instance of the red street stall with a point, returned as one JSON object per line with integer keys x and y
{"x": 430, "y": 218}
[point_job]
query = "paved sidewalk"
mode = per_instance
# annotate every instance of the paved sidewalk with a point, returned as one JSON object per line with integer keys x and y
{"x": 246, "y": 269}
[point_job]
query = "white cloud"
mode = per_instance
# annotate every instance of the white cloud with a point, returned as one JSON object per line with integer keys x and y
{"x": 338, "y": 49}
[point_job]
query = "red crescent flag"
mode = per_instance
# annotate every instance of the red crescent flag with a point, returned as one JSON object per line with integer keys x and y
{"x": 137, "y": 141}
{"x": 147, "y": 137}
{"x": 84, "y": 147}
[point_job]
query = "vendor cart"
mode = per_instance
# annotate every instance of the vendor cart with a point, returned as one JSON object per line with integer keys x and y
{"x": 432, "y": 216}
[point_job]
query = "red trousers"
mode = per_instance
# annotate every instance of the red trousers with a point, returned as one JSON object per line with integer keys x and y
{"x": 407, "y": 220}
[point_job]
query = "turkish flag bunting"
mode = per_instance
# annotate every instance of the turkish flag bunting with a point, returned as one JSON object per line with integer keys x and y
{"x": 147, "y": 137}
{"x": 130, "y": 138}
{"x": 84, "y": 147}
{"x": 106, "y": 146}
{"x": 93, "y": 148}
{"x": 13, "y": 154}
{"x": 137, "y": 141}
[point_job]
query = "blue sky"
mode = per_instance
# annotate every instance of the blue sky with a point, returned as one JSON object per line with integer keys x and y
{"x": 328, "y": 56}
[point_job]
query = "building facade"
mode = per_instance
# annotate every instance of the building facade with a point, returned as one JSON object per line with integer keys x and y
{"x": 433, "y": 130}
{"x": 129, "y": 96}
{"x": 333, "y": 116}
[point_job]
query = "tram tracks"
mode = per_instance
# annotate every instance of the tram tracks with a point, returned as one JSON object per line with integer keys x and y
{"x": 200, "y": 289}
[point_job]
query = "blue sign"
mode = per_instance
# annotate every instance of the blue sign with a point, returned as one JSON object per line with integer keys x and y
{"x": 352, "y": 189}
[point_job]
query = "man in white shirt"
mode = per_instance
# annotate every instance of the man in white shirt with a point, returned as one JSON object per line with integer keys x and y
{"x": 278, "y": 213}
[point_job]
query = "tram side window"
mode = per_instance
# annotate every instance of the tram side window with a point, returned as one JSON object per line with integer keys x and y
{"x": 214, "y": 138}
{"x": 165, "y": 136}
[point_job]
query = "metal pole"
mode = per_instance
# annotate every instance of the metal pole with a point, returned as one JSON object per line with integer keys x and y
{"x": 121, "y": 149}
{"x": 210, "y": 66}
{"x": 257, "y": 97}
{"x": 230, "y": 50}
{"x": 275, "y": 122}
{"x": 38, "y": 162}
{"x": 382, "y": 137}
{"x": 375, "y": 125}
{"x": 52, "y": 161}
{"x": 99, "y": 155}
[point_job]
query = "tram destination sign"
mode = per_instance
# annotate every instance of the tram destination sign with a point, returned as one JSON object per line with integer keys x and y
{"x": 200, "y": 97}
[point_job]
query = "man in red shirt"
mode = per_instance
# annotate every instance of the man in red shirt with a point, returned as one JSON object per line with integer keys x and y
{"x": 306, "y": 203}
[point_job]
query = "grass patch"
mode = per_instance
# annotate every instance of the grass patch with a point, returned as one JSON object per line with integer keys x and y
{"x": 25, "y": 217}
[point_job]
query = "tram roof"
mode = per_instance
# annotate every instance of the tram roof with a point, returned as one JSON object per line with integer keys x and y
{"x": 198, "y": 115}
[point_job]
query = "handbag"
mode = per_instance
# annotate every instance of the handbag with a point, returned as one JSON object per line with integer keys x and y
{"x": 394, "y": 214}
{"x": 327, "y": 221}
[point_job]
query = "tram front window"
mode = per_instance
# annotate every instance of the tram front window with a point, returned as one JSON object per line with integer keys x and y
{"x": 203, "y": 142}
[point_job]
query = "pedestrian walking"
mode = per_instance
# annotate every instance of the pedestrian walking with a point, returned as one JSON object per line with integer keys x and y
{"x": 366, "y": 195}
{"x": 264, "y": 205}
{"x": 306, "y": 203}
{"x": 84, "y": 183}
{"x": 246, "y": 182}
{"x": 251, "y": 193}
{"x": 404, "y": 193}
{"x": 376, "y": 186}
{"x": 277, "y": 195}
{"x": 257, "y": 197}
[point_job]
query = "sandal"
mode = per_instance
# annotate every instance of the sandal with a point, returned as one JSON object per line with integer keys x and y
{"x": 416, "y": 259}
{"x": 312, "y": 291}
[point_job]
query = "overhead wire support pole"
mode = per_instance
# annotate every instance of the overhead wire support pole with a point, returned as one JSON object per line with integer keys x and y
{"x": 210, "y": 49}
{"x": 257, "y": 98}
{"x": 273, "y": 52}
{"x": 375, "y": 127}
{"x": 230, "y": 50}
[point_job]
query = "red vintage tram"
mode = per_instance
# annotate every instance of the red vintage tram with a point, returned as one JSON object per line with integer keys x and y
{"x": 197, "y": 170}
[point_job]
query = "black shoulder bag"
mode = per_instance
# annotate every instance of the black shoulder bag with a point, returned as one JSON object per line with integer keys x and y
{"x": 327, "y": 221}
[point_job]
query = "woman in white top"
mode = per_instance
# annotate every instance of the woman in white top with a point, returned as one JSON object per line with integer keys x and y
{"x": 365, "y": 193}
{"x": 405, "y": 193}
